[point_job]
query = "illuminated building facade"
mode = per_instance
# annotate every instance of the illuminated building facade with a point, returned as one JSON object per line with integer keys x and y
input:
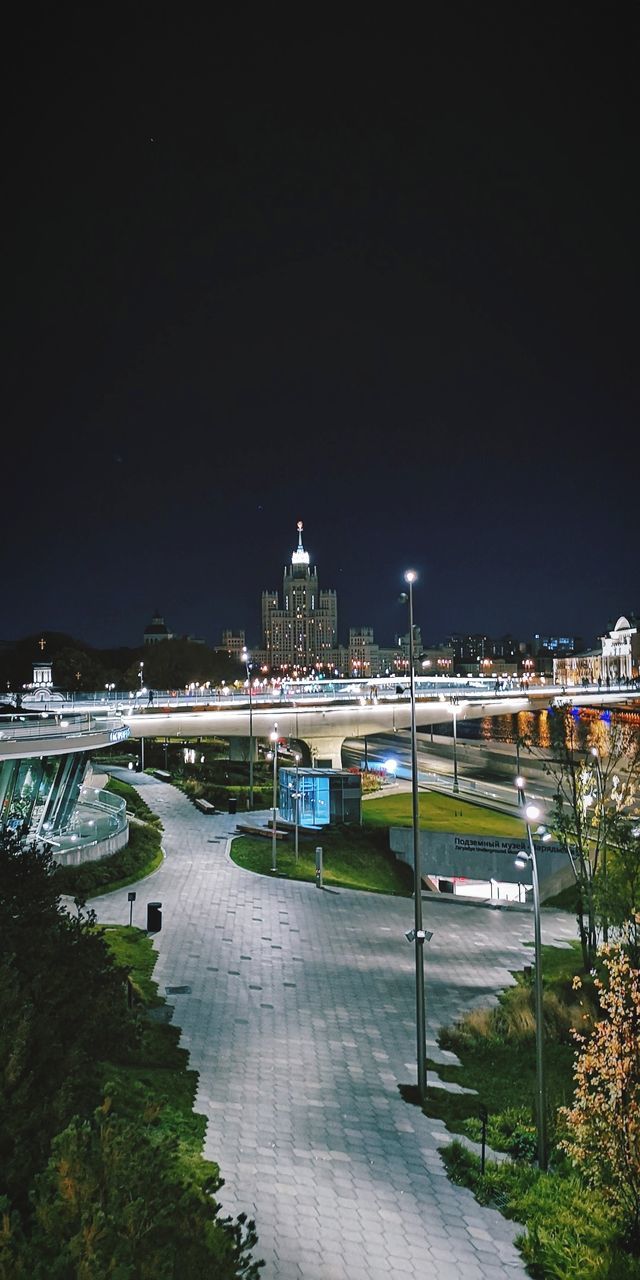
{"x": 617, "y": 660}
{"x": 301, "y": 636}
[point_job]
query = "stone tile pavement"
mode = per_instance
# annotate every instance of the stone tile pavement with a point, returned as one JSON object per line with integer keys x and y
{"x": 300, "y": 1019}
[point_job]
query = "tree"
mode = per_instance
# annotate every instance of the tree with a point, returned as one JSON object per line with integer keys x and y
{"x": 602, "y": 1128}
{"x": 120, "y": 1197}
{"x": 62, "y": 1010}
{"x": 593, "y": 788}
{"x": 617, "y": 895}
{"x": 78, "y": 670}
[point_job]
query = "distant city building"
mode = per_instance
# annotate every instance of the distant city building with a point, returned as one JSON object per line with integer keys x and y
{"x": 364, "y": 654}
{"x": 470, "y": 648}
{"x": 558, "y": 645}
{"x": 301, "y": 636}
{"x": 157, "y": 630}
{"x": 233, "y": 643}
{"x": 617, "y": 660}
{"x": 437, "y": 661}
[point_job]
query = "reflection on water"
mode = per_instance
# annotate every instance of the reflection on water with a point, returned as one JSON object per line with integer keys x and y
{"x": 587, "y": 728}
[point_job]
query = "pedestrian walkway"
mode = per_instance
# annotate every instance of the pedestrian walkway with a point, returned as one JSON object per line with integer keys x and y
{"x": 298, "y": 1011}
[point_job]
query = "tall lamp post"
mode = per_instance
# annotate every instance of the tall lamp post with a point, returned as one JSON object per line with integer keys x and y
{"x": 418, "y": 931}
{"x": 454, "y": 712}
{"x": 297, "y": 799}
{"x": 274, "y": 739}
{"x": 600, "y": 785}
{"x": 247, "y": 662}
{"x": 532, "y": 813}
{"x": 140, "y": 674}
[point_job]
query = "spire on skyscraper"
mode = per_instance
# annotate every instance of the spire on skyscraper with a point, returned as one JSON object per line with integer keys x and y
{"x": 300, "y": 556}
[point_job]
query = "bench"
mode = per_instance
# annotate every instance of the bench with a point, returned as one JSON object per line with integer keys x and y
{"x": 162, "y": 773}
{"x": 204, "y": 806}
{"x": 265, "y": 832}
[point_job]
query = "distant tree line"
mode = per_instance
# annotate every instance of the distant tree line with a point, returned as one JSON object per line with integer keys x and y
{"x": 79, "y": 667}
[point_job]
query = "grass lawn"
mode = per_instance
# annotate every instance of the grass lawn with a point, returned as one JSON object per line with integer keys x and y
{"x": 353, "y": 858}
{"x": 359, "y": 857}
{"x": 440, "y": 813}
{"x": 501, "y": 1064}
{"x": 158, "y": 1078}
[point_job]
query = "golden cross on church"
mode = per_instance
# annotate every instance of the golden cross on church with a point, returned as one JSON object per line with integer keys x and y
{"x": 42, "y": 642}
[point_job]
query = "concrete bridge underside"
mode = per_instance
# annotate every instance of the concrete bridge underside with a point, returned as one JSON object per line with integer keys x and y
{"x": 323, "y": 729}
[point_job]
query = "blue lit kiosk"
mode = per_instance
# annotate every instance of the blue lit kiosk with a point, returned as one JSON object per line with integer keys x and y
{"x": 326, "y": 796}
{"x": 47, "y": 786}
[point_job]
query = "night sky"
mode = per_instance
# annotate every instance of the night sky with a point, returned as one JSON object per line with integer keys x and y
{"x": 379, "y": 278}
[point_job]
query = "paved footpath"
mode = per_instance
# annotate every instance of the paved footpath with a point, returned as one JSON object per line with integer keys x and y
{"x": 299, "y": 1015}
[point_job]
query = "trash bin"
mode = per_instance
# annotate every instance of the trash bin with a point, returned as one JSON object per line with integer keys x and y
{"x": 233, "y": 804}
{"x": 154, "y": 917}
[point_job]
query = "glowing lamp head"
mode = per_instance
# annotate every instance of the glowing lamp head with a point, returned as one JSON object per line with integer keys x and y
{"x": 410, "y": 576}
{"x": 520, "y": 784}
{"x": 532, "y": 812}
{"x": 521, "y": 860}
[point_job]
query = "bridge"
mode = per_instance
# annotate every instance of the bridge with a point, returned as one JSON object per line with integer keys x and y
{"x": 321, "y": 726}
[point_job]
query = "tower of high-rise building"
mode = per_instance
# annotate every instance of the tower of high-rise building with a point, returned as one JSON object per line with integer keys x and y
{"x": 301, "y": 635}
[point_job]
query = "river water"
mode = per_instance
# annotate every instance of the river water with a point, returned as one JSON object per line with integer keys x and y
{"x": 589, "y": 728}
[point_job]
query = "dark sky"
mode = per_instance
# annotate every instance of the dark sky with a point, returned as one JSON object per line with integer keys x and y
{"x": 381, "y": 278}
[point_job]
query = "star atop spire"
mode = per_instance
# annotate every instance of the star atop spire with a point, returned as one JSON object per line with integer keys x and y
{"x": 300, "y": 556}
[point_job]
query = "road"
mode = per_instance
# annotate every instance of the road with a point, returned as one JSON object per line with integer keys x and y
{"x": 436, "y": 772}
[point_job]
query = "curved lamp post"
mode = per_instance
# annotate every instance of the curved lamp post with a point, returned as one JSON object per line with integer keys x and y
{"x": 532, "y": 813}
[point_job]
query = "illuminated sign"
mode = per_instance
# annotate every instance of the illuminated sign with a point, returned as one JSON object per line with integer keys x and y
{"x": 118, "y": 735}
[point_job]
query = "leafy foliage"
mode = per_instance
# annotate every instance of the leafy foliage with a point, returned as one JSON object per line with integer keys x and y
{"x": 594, "y": 792}
{"x": 89, "y": 1188}
{"x": 602, "y": 1136}
{"x": 571, "y": 1234}
{"x": 140, "y": 856}
{"x": 121, "y": 1198}
{"x": 62, "y": 1009}
{"x": 135, "y": 803}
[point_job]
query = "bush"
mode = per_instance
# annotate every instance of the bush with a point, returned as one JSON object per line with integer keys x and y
{"x": 135, "y": 804}
{"x": 140, "y": 856}
{"x": 219, "y": 796}
{"x": 571, "y": 1234}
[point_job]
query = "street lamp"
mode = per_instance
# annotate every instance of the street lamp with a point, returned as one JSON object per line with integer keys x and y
{"x": 454, "y": 712}
{"x": 274, "y": 739}
{"x": 297, "y": 800}
{"x": 140, "y": 673}
{"x": 247, "y": 662}
{"x": 519, "y": 781}
{"x": 603, "y": 817}
{"x": 418, "y": 931}
{"x": 532, "y": 813}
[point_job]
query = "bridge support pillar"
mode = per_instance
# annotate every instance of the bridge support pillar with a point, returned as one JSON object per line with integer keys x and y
{"x": 326, "y": 753}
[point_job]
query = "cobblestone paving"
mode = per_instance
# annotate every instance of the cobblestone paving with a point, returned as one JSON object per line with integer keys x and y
{"x": 299, "y": 1015}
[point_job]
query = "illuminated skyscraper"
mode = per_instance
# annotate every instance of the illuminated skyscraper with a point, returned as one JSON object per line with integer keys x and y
{"x": 302, "y": 635}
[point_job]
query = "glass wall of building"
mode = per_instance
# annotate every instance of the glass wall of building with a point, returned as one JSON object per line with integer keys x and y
{"x": 323, "y": 796}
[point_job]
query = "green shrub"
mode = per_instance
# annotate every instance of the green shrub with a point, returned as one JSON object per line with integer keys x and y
{"x": 140, "y": 856}
{"x": 570, "y": 1234}
{"x": 135, "y": 804}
